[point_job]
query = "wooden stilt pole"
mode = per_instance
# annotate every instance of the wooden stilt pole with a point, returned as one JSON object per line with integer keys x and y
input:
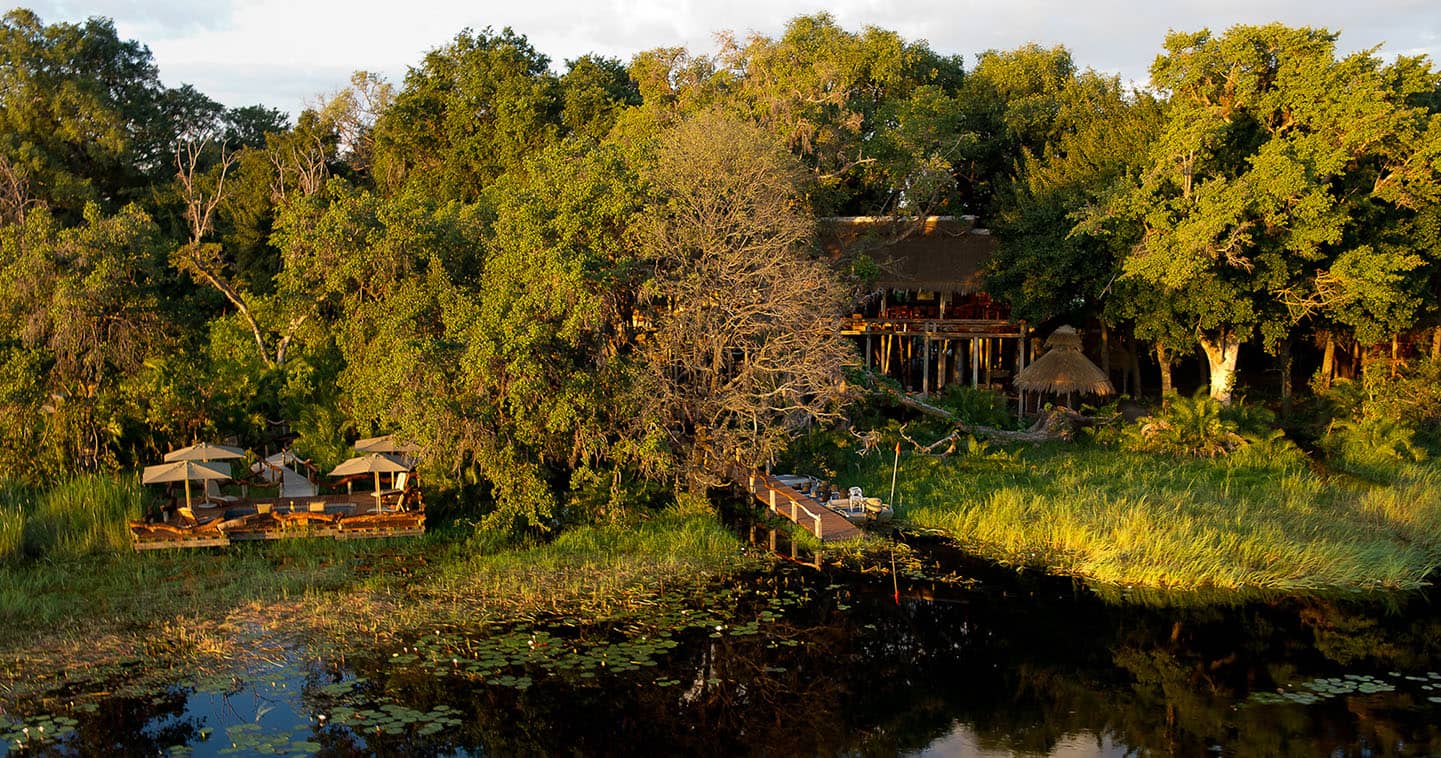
{"x": 926, "y": 365}
{"x": 975, "y": 362}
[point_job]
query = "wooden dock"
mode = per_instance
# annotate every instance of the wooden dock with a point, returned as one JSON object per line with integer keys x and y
{"x": 786, "y": 502}
{"x": 341, "y": 517}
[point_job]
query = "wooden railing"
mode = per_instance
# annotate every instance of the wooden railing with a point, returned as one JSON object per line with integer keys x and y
{"x": 933, "y": 327}
{"x": 791, "y": 499}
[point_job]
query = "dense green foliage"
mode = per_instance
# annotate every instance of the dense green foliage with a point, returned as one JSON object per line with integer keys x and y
{"x": 573, "y": 286}
{"x": 1277, "y": 191}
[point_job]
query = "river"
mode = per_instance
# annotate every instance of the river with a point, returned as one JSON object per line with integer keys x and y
{"x": 972, "y": 659}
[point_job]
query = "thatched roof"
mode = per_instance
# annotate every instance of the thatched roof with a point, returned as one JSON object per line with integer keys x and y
{"x": 1064, "y": 369}
{"x": 938, "y": 253}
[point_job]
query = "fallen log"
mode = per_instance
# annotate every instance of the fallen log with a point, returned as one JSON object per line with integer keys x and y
{"x": 1059, "y": 423}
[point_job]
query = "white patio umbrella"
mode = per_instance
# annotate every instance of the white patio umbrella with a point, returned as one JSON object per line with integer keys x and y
{"x": 372, "y": 463}
{"x": 388, "y": 444}
{"x": 204, "y": 451}
{"x": 182, "y": 471}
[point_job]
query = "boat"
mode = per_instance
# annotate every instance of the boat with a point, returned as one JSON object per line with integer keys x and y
{"x": 853, "y": 504}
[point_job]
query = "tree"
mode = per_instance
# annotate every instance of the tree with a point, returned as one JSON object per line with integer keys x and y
{"x": 870, "y": 114}
{"x": 79, "y": 317}
{"x": 1015, "y": 103}
{"x": 1051, "y": 261}
{"x": 594, "y": 91}
{"x": 1257, "y": 192}
{"x": 353, "y": 113}
{"x": 743, "y": 348}
{"x": 472, "y": 111}
{"x": 85, "y": 116}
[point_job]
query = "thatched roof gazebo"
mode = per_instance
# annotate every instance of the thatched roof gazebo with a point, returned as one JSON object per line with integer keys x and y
{"x": 1063, "y": 370}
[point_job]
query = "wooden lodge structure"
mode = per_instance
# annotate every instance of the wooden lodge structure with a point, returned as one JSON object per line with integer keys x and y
{"x": 928, "y": 322}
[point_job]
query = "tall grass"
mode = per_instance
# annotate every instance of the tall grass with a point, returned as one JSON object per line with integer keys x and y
{"x": 12, "y": 533}
{"x": 1132, "y": 518}
{"x": 84, "y": 515}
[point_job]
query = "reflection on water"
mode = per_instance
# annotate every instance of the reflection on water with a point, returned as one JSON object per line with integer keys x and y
{"x": 963, "y": 741}
{"x": 806, "y": 662}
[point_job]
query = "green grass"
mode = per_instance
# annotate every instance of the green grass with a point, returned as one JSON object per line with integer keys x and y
{"x": 1144, "y": 520}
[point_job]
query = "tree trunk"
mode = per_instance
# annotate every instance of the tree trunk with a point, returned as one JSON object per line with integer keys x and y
{"x": 1395, "y": 354}
{"x": 1164, "y": 361}
{"x": 1221, "y": 354}
{"x": 1436, "y": 342}
{"x": 1135, "y": 359}
{"x": 1328, "y": 361}
{"x": 1105, "y": 350}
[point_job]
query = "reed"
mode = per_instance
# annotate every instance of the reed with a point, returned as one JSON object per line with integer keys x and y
{"x": 1131, "y": 518}
{"x": 12, "y": 533}
{"x": 84, "y": 515}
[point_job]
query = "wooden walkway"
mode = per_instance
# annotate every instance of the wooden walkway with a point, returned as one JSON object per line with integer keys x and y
{"x": 785, "y": 501}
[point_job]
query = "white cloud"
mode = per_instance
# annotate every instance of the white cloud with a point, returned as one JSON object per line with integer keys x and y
{"x": 284, "y": 52}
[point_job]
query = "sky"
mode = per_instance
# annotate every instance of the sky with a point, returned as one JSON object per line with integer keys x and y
{"x": 287, "y": 54}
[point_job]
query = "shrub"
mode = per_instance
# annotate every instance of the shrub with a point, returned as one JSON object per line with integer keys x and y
{"x": 1372, "y": 448}
{"x": 977, "y": 407}
{"x": 1194, "y": 427}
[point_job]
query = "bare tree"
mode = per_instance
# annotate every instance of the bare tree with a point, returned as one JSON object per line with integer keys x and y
{"x": 352, "y": 113}
{"x": 15, "y": 197}
{"x": 203, "y": 192}
{"x": 744, "y": 348}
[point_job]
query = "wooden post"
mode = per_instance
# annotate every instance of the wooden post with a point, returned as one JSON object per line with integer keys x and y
{"x": 773, "y": 540}
{"x": 773, "y": 501}
{"x": 975, "y": 362}
{"x": 818, "y": 530}
{"x": 926, "y": 364}
{"x": 942, "y": 347}
{"x": 990, "y": 347}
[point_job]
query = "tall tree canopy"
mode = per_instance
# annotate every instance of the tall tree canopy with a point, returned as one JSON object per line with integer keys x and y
{"x": 1262, "y": 195}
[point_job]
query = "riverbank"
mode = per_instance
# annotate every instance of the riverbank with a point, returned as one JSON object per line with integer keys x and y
{"x": 1136, "y": 519}
{"x": 193, "y": 610}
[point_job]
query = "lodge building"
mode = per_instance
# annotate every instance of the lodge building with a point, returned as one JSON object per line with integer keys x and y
{"x": 928, "y": 323}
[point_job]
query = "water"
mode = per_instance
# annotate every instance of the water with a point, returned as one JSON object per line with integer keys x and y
{"x": 802, "y": 662}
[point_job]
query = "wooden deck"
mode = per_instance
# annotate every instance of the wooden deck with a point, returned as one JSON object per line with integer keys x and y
{"x": 934, "y": 328}
{"x": 786, "y": 502}
{"x": 357, "y": 516}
